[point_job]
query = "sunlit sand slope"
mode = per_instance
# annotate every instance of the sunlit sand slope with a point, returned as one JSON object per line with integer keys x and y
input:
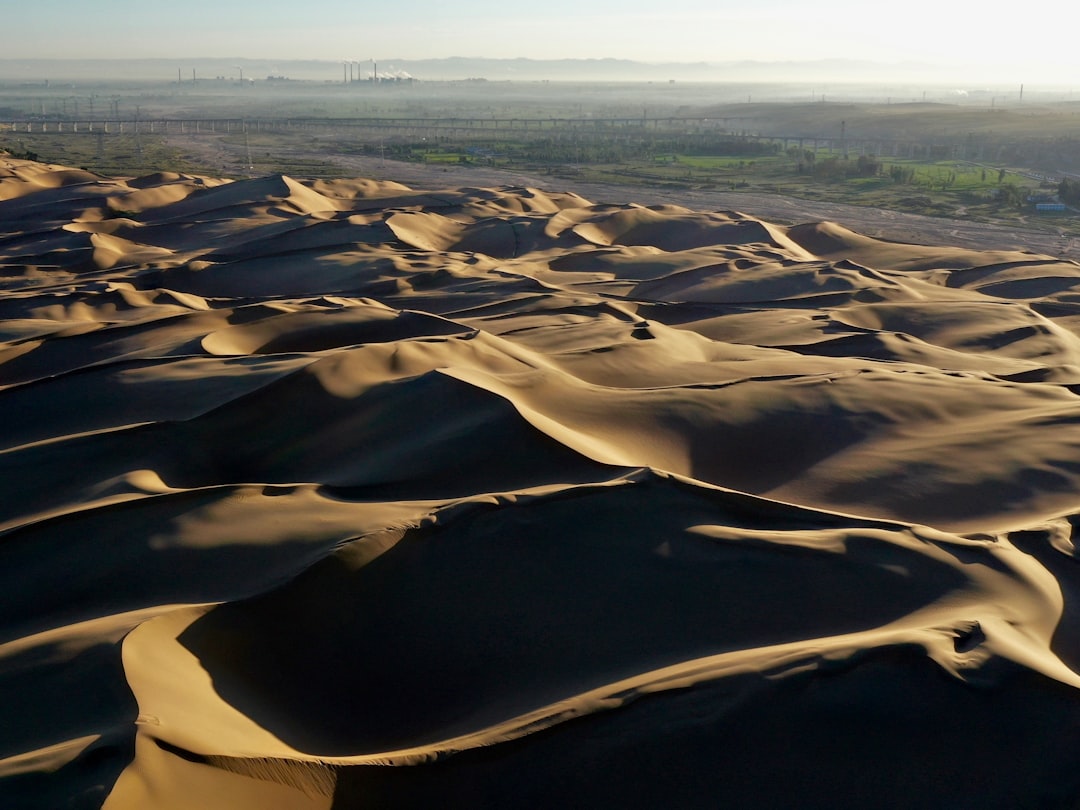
{"x": 342, "y": 494}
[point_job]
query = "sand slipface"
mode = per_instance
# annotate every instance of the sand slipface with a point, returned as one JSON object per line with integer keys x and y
{"x": 342, "y": 494}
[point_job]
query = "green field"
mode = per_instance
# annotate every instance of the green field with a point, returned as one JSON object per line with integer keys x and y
{"x": 976, "y": 161}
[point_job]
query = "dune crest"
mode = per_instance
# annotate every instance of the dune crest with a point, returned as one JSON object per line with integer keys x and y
{"x": 340, "y": 493}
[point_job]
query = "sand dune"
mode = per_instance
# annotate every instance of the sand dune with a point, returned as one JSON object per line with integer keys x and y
{"x": 343, "y": 494}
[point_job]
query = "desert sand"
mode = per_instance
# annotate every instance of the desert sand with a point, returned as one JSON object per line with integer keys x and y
{"x": 348, "y": 494}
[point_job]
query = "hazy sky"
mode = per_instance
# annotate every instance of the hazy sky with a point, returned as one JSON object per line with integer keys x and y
{"x": 962, "y": 33}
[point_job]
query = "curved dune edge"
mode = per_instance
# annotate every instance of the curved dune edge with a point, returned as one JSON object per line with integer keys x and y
{"x": 340, "y": 493}
{"x": 1017, "y": 624}
{"x": 1018, "y": 608}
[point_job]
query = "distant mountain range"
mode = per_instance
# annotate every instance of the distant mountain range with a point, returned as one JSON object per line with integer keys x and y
{"x": 461, "y": 68}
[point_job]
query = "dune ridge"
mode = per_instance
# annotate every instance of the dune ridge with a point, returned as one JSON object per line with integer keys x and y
{"x": 341, "y": 494}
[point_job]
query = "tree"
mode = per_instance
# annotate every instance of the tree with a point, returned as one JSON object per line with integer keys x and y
{"x": 901, "y": 175}
{"x": 831, "y": 168}
{"x": 867, "y": 166}
{"x": 1069, "y": 191}
{"x": 1011, "y": 195}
